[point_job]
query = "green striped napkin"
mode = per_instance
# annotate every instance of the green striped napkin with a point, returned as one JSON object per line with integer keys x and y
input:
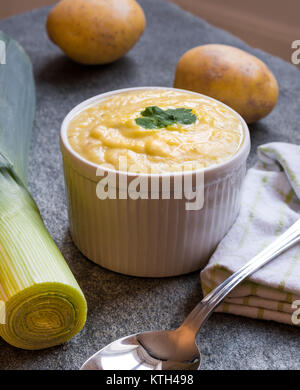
{"x": 270, "y": 204}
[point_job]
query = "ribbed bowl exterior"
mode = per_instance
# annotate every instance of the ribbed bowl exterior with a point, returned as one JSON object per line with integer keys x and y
{"x": 148, "y": 237}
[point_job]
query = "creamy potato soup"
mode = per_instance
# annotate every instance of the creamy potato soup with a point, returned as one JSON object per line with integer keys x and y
{"x": 154, "y": 131}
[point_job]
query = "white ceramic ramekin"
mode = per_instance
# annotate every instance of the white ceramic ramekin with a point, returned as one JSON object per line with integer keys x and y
{"x": 149, "y": 237}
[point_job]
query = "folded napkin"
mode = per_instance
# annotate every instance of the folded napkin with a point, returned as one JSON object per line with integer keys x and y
{"x": 270, "y": 205}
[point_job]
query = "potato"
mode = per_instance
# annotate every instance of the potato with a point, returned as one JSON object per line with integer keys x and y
{"x": 96, "y": 31}
{"x": 230, "y": 75}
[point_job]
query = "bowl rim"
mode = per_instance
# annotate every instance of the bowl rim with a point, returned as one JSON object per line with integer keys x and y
{"x": 243, "y": 150}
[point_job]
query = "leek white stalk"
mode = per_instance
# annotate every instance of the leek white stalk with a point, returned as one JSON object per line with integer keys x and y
{"x": 41, "y": 302}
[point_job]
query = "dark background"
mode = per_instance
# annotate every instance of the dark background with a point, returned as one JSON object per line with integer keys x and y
{"x": 270, "y": 25}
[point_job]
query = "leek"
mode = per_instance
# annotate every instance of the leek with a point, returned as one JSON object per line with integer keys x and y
{"x": 41, "y": 304}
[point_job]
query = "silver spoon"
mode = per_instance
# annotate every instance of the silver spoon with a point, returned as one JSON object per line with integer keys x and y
{"x": 176, "y": 349}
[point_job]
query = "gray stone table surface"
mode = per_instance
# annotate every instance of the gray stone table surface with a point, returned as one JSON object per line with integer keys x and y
{"x": 121, "y": 305}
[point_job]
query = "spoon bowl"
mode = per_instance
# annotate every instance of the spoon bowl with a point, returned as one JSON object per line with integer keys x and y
{"x": 158, "y": 350}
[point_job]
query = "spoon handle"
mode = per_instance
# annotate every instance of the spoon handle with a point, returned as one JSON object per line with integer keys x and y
{"x": 203, "y": 310}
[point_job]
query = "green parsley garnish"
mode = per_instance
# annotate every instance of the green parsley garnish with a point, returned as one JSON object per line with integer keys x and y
{"x": 155, "y": 118}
